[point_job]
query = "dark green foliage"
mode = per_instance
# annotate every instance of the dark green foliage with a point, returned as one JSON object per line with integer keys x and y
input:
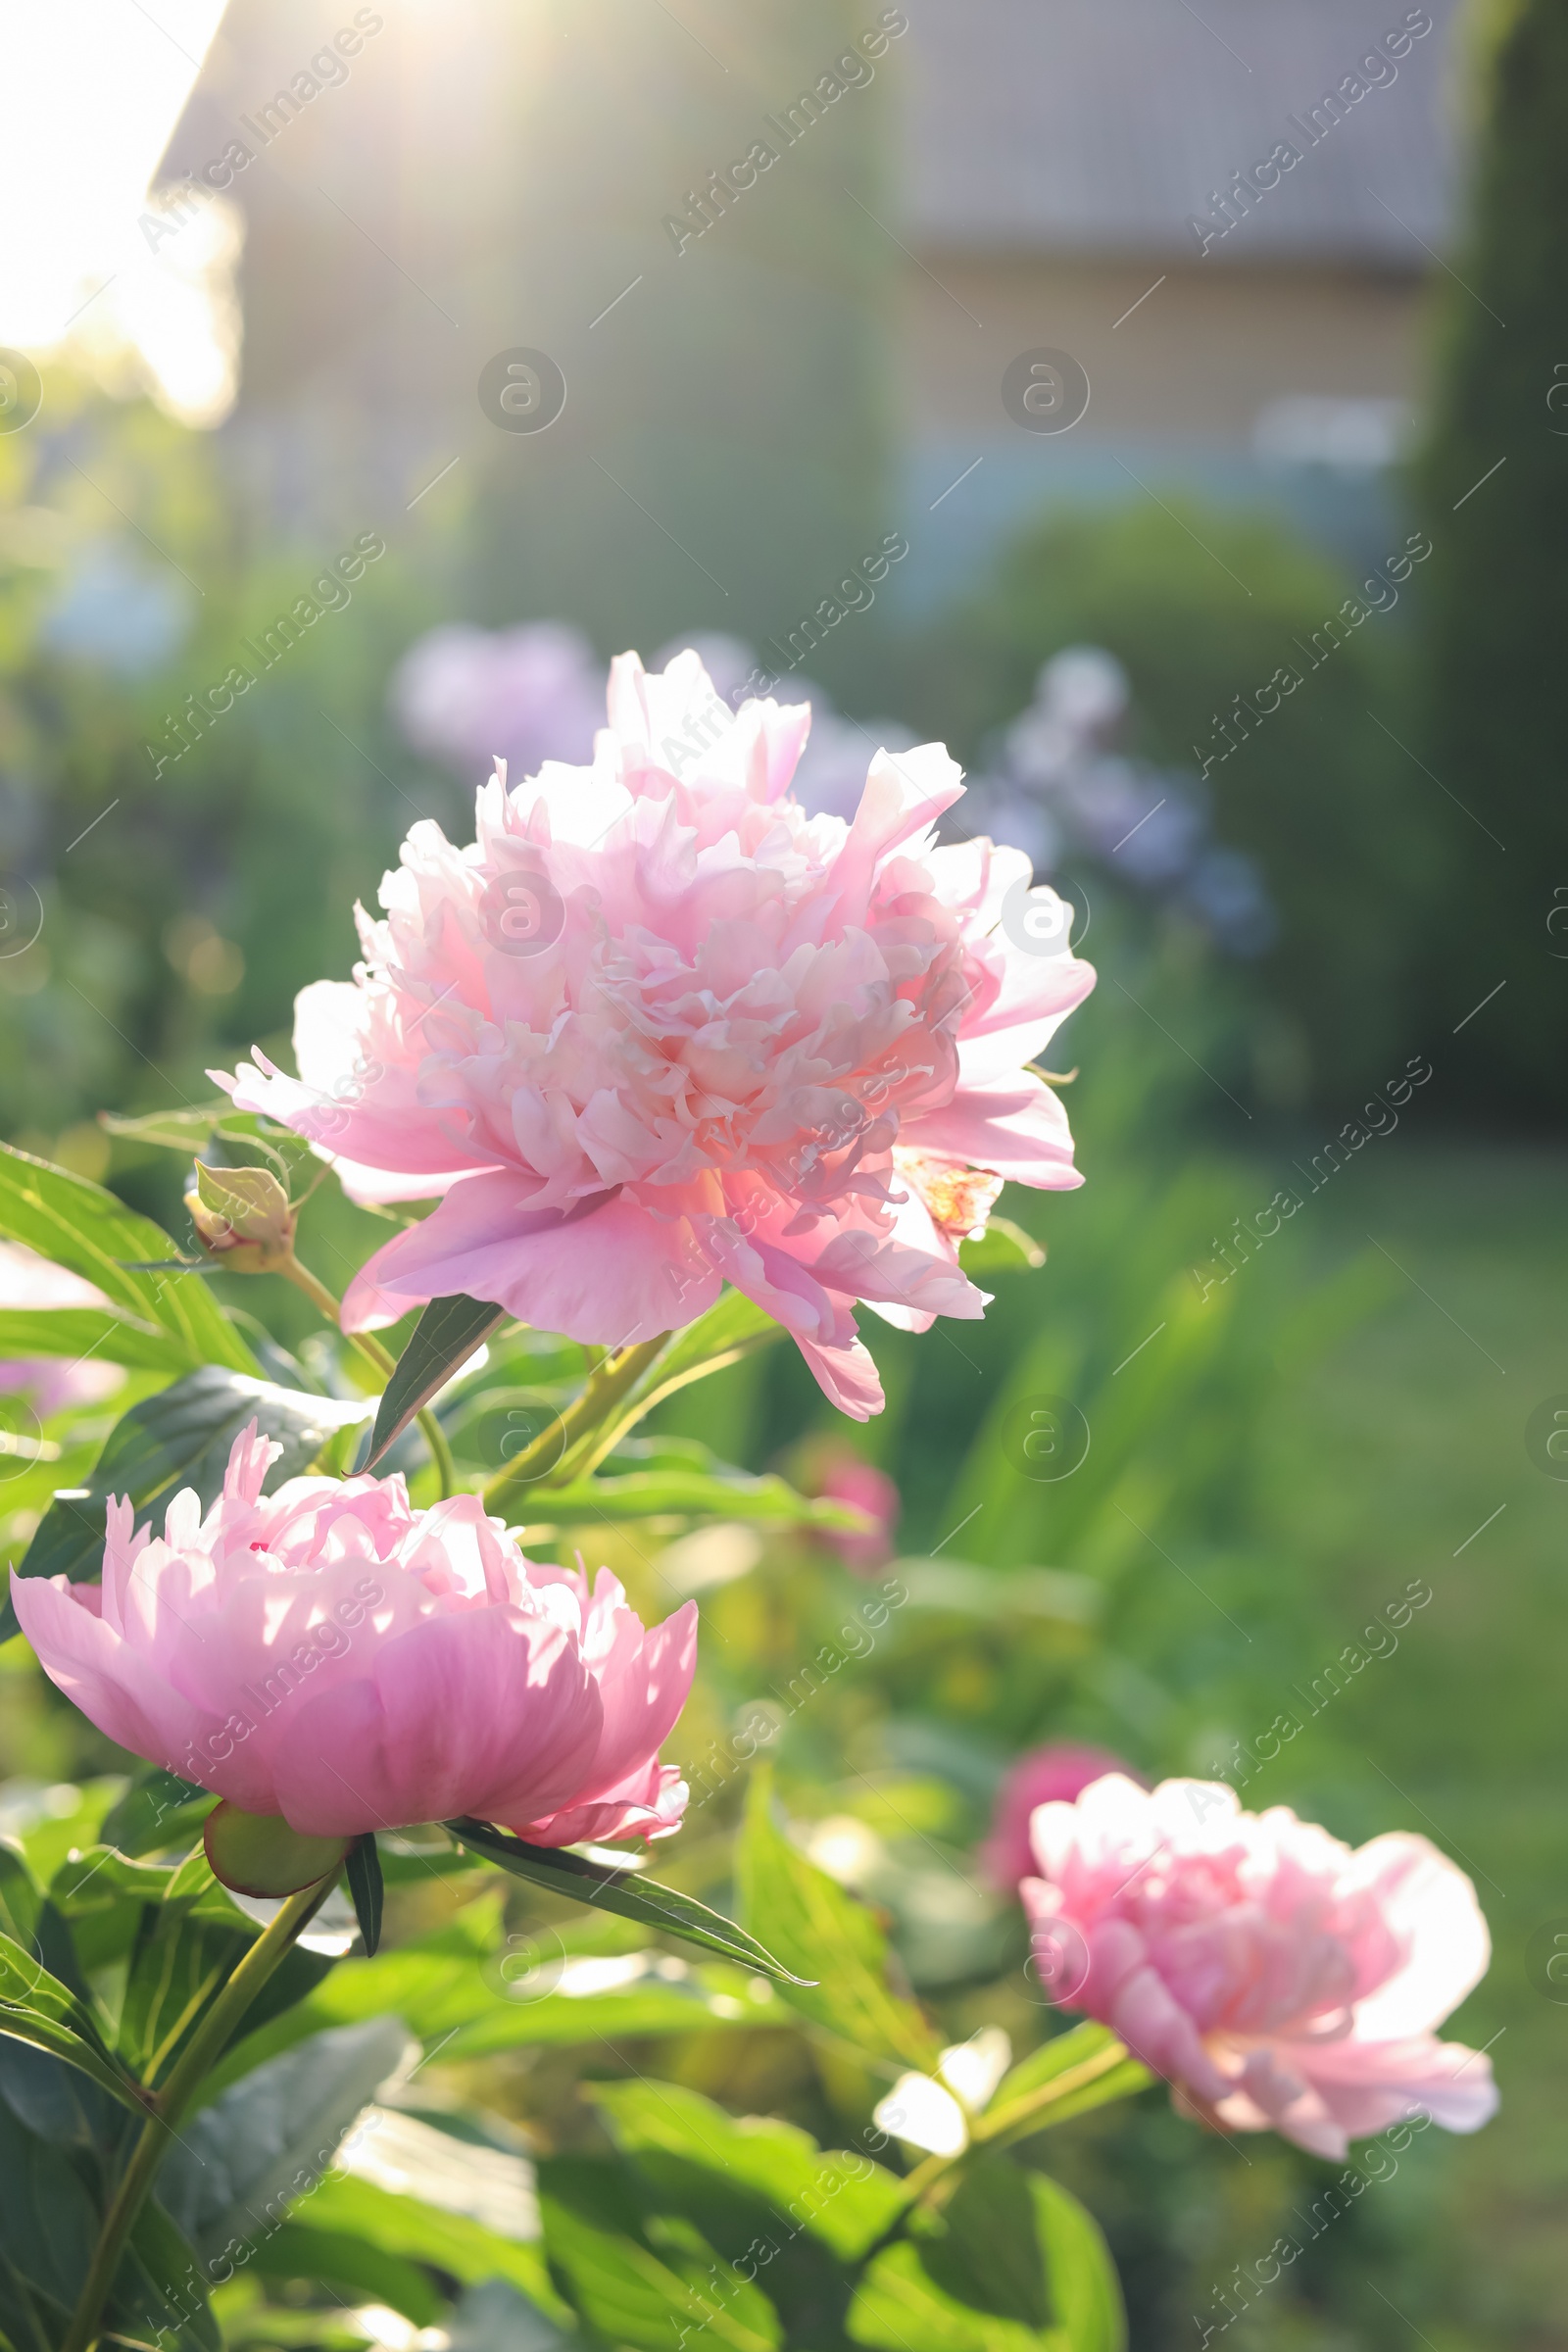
{"x": 1203, "y": 608}
{"x": 1498, "y": 614}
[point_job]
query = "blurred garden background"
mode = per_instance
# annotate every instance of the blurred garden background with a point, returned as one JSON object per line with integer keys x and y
{"x": 1254, "y": 642}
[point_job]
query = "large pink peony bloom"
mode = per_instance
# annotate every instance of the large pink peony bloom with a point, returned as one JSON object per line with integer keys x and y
{"x": 660, "y": 1029}
{"x": 1279, "y": 1979}
{"x": 331, "y": 1654}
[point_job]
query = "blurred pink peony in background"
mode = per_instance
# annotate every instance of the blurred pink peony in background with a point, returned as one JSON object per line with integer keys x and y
{"x": 1278, "y": 1979}
{"x": 828, "y": 1466}
{"x": 469, "y": 696}
{"x": 331, "y": 1654}
{"x": 51, "y": 1382}
{"x": 659, "y": 1029}
{"x": 1053, "y": 1772}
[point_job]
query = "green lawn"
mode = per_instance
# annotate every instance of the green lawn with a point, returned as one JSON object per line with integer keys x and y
{"x": 1382, "y": 1462}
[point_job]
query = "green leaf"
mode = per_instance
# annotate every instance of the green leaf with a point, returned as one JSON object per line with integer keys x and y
{"x": 449, "y": 2242}
{"x": 337, "y": 2259}
{"x": 826, "y": 1934}
{"x": 1085, "y": 2068}
{"x": 983, "y": 2249}
{"x": 77, "y": 1224}
{"x": 79, "y": 1332}
{"x": 20, "y": 1895}
{"x": 36, "y": 2008}
{"x": 157, "y": 1810}
{"x": 100, "y": 1895}
{"x": 446, "y": 1334}
{"x": 1083, "y": 2289}
{"x": 1002, "y": 1248}
{"x": 365, "y": 1888}
{"x": 900, "y": 2307}
{"x": 846, "y": 2201}
{"x": 266, "y": 2141}
{"x": 179, "y": 1437}
{"x": 48, "y": 2227}
{"x": 183, "y": 1951}
{"x": 158, "y": 2290}
{"x": 683, "y": 1493}
{"x": 625, "y": 2292}
{"x": 625, "y": 1892}
{"x": 734, "y": 1326}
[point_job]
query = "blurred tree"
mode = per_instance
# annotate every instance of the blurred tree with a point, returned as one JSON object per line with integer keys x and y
{"x": 539, "y": 175}
{"x": 1496, "y": 478}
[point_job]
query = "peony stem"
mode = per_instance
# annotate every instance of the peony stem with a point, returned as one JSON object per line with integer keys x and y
{"x": 606, "y": 1386}
{"x": 379, "y": 1361}
{"x": 168, "y": 2104}
{"x": 1013, "y": 2121}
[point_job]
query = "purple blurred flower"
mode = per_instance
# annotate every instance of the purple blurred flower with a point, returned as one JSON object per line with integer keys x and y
{"x": 466, "y": 697}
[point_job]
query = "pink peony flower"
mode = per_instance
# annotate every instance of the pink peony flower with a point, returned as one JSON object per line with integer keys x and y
{"x": 830, "y": 1467}
{"x": 1277, "y": 1978}
{"x": 331, "y": 1654}
{"x": 659, "y": 1029}
{"x": 52, "y": 1382}
{"x": 1041, "y": 1776}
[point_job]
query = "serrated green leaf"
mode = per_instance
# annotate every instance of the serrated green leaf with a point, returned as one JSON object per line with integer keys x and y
{"x": 446, "y": 1334}
{"x": 625, "y": 1892}
{"x": 179, "y": 1437}
{"x": 825, "y": 1933}
{"x": 36, "y": 2008}
{"x": 77, "y": 1224}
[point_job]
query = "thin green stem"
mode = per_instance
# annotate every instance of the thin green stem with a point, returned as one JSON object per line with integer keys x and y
{"x": 379, "y": 1361}
{"x": 270, "y": 1948}
{"x": 1013, "y": 2121}
{"x": 612, "y": 1382}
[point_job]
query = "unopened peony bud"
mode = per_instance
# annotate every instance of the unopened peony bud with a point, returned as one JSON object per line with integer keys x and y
{"x": 242, "y": 1217}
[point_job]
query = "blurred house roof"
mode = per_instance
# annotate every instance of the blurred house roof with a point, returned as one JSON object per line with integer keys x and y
{"x": 1098, "y": 126}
